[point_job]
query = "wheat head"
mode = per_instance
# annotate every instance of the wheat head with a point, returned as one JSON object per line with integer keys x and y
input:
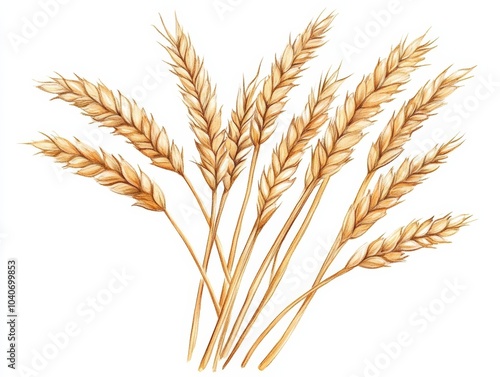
{"x": 124, "y": 116}
{"x": 284, "y": 72}
{"x": 200, "y": 100}
{"x": 390, "y": 188}
{"x": 288, "y": 154}
{"x": 409, "y": 118}
{"x": 106, "y": 169}
{"x": 418, "y": 234}
{"x": 238, "y": 141}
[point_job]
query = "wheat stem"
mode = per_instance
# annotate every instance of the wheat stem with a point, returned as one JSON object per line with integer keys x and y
{"x": 197, "y": 308}
{"x": 218, "y": 244}
{"x": 205, "y": 278}
{"x": 246, "y": 198}
{"x": 231, "y": 294}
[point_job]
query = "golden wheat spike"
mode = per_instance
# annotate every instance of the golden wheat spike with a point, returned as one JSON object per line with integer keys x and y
{"x": 200, "y": 100}
{"x": 284, "y": 72}
{"x": 121, "y": 114}
{"x": 289, "y": 152}
{"x": 238, "y": 141}
{"x": 106, "y": 169}
{"x": 410, "y": 117}
{"x": 393, "y": 248}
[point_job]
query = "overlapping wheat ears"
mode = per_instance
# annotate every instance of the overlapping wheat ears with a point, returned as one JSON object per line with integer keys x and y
{"x": 225, "y": 149}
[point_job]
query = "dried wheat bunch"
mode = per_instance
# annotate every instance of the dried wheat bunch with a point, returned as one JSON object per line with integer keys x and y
{"x": 223, "y": 153}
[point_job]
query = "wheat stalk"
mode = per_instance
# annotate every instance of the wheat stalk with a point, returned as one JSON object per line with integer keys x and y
{"x": 289, "y": 152}
{"x": 331, "y": 153}
{"x": 205, "y": 121}
{"x": 380, "y": 253}
{"x": 361, "y": 216}
{"x": 285, "y": 159}
{"x": 238, "y": 145}
{"x": 119, "y": 176}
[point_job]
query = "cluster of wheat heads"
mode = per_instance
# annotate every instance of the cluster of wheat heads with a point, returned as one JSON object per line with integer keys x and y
{"x": 225, "y": 149}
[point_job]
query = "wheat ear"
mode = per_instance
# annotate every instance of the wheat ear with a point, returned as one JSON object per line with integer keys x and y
{"x": 380, "y": 253}
{"x": 200, "y": 100}
{"x": 124, "y": 116}
{"x": 333, "y": 151}
{"x": 127, "y": 119}
{"x": 410, "y": 117}
{"x": 418, "y": 234}
{"x": 238, "y": 141}
{"x": 361, "y": 216}
{"x": 119, "y": 176}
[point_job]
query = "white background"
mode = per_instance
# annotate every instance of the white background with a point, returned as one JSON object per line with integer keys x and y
{"x": 69, "y": 235}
